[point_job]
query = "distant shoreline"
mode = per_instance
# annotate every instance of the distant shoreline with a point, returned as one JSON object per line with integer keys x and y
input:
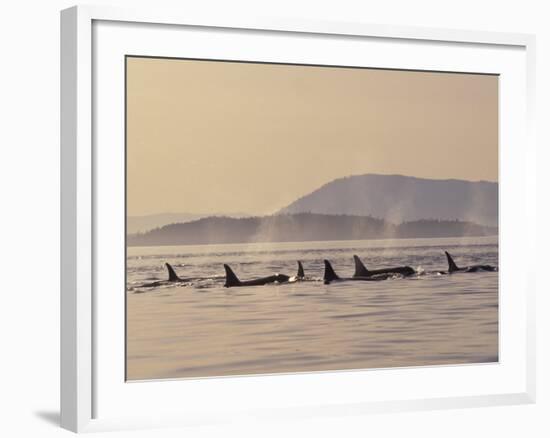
{"x": 301, "y": 227}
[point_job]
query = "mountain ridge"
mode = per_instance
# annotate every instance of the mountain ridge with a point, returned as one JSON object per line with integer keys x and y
{"x": 399, "y": 198}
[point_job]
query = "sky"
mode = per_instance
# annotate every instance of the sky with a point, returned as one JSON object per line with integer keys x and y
{"x": 213, "y": 137}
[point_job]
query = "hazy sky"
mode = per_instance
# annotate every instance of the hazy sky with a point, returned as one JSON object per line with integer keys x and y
{"x": 222, "y": 137}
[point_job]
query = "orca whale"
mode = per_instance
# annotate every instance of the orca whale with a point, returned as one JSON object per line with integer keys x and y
{"x": 473, "y": 268}
{"x": 331, "y": 276}
{"x": 362, "y": 271}
{"x": 172, "y": 278}
{"x": 300, "y": 274}
{"x": 231, "y": 280}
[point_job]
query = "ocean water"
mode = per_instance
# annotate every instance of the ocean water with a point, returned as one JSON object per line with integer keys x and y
{"x": 199, "y": 328}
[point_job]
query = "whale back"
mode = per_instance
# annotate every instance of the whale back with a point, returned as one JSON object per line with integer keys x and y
{"x": 300, "y": 273}
{"x": 172, "y": 276}
{"x": 360, "y": 269}
{"x": 452, "y": 265}
{"x": 330, "y": 275}
{"x": 230, "y": 277}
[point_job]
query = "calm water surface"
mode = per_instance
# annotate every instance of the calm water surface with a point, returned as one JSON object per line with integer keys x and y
{"x": 199, "y": 328}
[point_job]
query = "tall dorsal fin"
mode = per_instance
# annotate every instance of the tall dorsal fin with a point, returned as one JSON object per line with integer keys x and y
{"x": 360, "y": 269}
{"x": 230, "y": 277}
{"x": 172, "y": 276}
{"x": 452, "y": 265}
{"x": 330, "y": 275}
{"x": 300, "y": 273}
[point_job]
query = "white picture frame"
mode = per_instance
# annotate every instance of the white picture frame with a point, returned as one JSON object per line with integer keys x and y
{"x": 87, "y": 377}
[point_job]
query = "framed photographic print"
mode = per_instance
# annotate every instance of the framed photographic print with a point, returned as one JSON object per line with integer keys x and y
{"x": 282, "y": 218}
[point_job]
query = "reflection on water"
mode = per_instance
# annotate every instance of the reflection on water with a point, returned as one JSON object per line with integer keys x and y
{"x": 199, "y": 328}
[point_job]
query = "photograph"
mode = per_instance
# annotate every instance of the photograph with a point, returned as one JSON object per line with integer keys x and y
{"x": 298, "y": 218}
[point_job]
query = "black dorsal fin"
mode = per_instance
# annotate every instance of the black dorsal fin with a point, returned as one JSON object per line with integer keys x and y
{"x": 360, "y": 269}
{"x": 172, "y": 276}
{"x": 452, "y": 265}
{"x": 330, "y": 275}
{"x": 230, "y": 277}
{"x": 300, "y": 273}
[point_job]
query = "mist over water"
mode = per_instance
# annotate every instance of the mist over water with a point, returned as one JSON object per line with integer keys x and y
{"x": 199, "y": 328}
